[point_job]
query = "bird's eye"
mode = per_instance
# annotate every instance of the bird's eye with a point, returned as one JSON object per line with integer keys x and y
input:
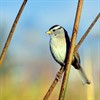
{"x": 53, "y": 30}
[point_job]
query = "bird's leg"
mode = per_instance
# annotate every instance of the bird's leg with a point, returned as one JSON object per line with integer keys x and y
{"x": 59, "y": 74}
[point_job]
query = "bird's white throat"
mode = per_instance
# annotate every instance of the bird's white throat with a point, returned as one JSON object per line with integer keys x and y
{"x": 58, "y": 46}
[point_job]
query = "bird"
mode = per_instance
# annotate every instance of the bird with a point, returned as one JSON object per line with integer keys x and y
{"x": 59, "y": 46}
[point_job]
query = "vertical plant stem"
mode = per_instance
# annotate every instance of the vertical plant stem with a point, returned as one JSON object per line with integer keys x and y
{"x": 88, "y": 62}
{"x": 12, "y": 32}
{"x": 71, "y": 51}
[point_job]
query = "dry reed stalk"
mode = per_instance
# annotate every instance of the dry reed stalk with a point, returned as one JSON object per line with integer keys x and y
{"x": 88, "y": 66}
{"x": 12, "y": 32}
{"x": 59, "y": 74}
{"x": 71, "y": 51}
{"x": 87, "y": 31}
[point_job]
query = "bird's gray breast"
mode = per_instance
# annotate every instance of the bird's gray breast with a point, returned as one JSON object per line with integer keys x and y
{"x": 58, "y": 49}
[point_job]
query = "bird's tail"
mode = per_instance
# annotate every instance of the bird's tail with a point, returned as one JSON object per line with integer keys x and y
{"x": 84, "y": 78}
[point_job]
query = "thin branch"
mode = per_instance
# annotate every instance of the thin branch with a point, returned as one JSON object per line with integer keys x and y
{"x": 62, "y": 70}
{"x": 71, "y": 51}
{"x": 12, "y": 32}
{"x": 87, "y": 31}
{"x": 59, "y": 74}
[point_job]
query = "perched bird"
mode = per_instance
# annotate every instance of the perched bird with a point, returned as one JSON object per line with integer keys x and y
{"x": 59, "y": 47}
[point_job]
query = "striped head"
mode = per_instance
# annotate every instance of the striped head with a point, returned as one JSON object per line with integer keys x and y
{"x": 56, "y": 31}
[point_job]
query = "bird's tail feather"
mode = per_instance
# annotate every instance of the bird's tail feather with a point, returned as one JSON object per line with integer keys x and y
{"x": 84, "y": 78}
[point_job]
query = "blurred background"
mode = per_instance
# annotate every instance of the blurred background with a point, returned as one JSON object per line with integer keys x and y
{"x": 28, "y": 68}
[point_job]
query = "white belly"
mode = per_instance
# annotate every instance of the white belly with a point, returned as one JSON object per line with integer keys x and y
{"x": 59, "y": 50}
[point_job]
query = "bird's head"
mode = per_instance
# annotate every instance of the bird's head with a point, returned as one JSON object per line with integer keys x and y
{"x": 56, "y": 31}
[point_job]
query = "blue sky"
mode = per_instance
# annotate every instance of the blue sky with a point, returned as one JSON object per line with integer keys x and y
{"x": 39, "y": 15}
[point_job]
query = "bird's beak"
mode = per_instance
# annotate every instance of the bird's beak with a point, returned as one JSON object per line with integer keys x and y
{"x": 48, "y": 32}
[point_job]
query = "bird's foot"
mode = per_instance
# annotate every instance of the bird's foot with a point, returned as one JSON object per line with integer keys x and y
{"x": 59, "y": 75}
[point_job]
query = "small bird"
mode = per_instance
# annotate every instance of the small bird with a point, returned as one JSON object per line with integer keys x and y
{"x": 59, "y": 47}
